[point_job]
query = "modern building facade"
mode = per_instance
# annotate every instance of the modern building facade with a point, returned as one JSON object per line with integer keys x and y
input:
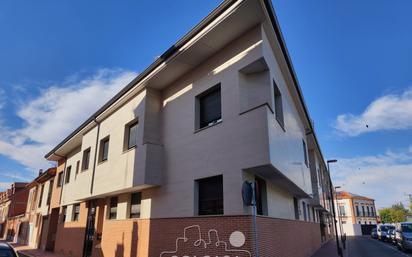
{"x": 159, "y": 169}
{"x": 356, "y": 213}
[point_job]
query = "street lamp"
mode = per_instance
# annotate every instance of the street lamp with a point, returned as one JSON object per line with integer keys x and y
{"x": 340, "y": 219}
{"x": 333, "y": 209}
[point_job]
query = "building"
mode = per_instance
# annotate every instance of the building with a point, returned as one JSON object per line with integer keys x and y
{"x": 12, "y": 211}
{"x": 167, "y": 156}
{"x": 357, "y": 214}
{"x": 39, "y": 215}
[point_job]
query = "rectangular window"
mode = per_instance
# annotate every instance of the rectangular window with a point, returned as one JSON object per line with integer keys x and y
{"x": 77, "y": 169}
{"x": 135, "y": 200}
{"x": 68, "y": 171}
{"x": 278, "y": 105}
{"x": 210, "y": 196}
{"x": 113, "y": 208}
{"x": 210, "y": 109}
{"x": 357, "y": 211}
{"x": 363, "y": 211}
{"x": 49, "y": 193}
{"x": 261, "y": 200}
{"x": 86, "y": 159}
{"x": 368, "y": 211}
{"x": 305, "y": 152}
{"x": 104, "y": 149}
{"x": 304, "y": 211}
{"x": 131, "y": 135}
{"x": 342, "y": 210}
{"x": 63, "y": 215}
{"x": 41, "y": 195}
{"x": 60, "y": 179}
{"x": 296, "y": 207}
{"x": 76, "y": 212}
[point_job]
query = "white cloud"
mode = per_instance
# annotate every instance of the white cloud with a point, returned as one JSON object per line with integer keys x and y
{"x": 56, "y": 112}
{"x": 389, "y": 112}
{"x": 4, "y": 186}
{"x": 386, "y": 177}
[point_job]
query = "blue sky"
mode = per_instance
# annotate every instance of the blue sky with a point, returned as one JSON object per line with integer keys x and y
{"x": 352, "y": 59}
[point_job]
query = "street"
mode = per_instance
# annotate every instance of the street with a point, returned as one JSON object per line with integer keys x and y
{"x": 362, "y": 246}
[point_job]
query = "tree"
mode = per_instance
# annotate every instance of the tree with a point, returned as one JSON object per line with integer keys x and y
{"x": 394, "y": 214}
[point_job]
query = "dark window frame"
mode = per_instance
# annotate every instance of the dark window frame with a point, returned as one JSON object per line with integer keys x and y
{"x": 128, "y": 143}
{"x": 63, "y": 214}
{"x": 86, "y": 161}
{"x": 278, "y": 105}
{"x": 206, "y": 116}
{"x": 113, "y": 208}
{"x": 41, "y": 196}
{"x": 68, "y": 174}
{"x": 210, "y": 202}
{"x": 305, "y": 152}
{"x": 135, "y": 201}
{"x": 76, "y": 212}
{"x": 104, "y": 149}
{"x": 49, "y": 193}
{"x": 60, "y": 179}
{"x": 261, "y": 196}
{"x": 77, "y": 169}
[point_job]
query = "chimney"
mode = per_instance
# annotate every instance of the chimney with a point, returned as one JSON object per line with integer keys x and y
{"x": 40, "y": 171}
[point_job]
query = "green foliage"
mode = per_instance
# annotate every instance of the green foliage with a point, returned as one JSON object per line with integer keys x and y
{"x": 394, "y": 214}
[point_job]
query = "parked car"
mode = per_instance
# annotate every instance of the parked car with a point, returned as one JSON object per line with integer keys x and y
{"x": 382, "y": 230}
{"x": 374, "y": 234}
{"x": 404, "y": 236}
{"x": 390, "y": 237}
{"x": 7, "y": 251}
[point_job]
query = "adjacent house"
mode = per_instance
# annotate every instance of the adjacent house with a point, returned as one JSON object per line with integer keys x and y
{"x": 357, "y": 214}
{"x": 167, "y": 156}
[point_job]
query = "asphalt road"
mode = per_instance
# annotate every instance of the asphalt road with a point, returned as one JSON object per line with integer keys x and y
{"x": 367, "y": 247}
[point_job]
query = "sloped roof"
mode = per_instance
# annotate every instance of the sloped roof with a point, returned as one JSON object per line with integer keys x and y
{"x": 348, "y": 195}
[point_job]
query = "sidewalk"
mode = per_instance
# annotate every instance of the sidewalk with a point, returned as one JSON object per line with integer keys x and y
{"x": 327, "y": 250}
{"x": 26, "y": 251}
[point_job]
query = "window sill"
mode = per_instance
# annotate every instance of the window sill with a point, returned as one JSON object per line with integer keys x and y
{"x": 84, "y": 170}
{"x": 209, "y": 126}
{"x": 129, "y": 149}
{"x": 102, "y": 162}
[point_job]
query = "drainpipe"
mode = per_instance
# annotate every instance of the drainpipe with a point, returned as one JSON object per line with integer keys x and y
{"x": 95, "y": 155}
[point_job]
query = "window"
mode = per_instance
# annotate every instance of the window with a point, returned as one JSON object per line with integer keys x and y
{"x": 305, "y": 152}
{"x": 357, "y": 211}
{"x": 41, "y": 195}
{"x": 77, "y": 169}
{"x": 104, "y": 149}
{"x": 296, "y": 207}
{"x": 363, "y": 210}
{"x": 210, "y": 110}
{"x": 60, "y": 179}
{"x": 130, "y": 135}
{"x": 86, "y": 159}
{"x": 304, "y": 210}
{"x": 210, "y": 196}
{"x": 68, "y": 171}
{"x": 261, "y": 200}
{"x": 113, "y": 208}
{"x": 63, "y": 215}
{"x": 49, "y": 193}
{"x": 342, "y": 210}
{"x": 278, "y": 105}
{"x": 76, "y": 212}
{"x": 135, "y": 200}
{"x": 368, "y": 210}
{"x": 373, "y": 212}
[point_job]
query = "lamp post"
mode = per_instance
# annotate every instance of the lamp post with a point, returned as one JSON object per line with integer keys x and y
{"x": 342, "y": 235}
{"x": 333, "y": 209}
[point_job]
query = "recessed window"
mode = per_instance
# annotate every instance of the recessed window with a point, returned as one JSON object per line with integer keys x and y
{"x": 209, "y": 107}
{"x": 49, "y": 193}
{"x": 86, "y": 159}
{"x": 41, "y": 195}
{"x": 60, "y": 179}
{"x": 304, "y": 211}
{"x": 63, "y": 215}
{"x": 305, "y": 152}
{"x": 68, "y": 171}
{"x": 296, "y": 208}
{"x": 76, "y": 212}
{"x": 104, "y": 149}
{"x": 261, "y": 200}
{"x": 278, "y": 105}
{"x": 130, "y": 134}
{"x": 135, "y": 201}
{"x": 77, "y": 169}
{"x": 210, "y": 194}
{"x": 113, "y": 208}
